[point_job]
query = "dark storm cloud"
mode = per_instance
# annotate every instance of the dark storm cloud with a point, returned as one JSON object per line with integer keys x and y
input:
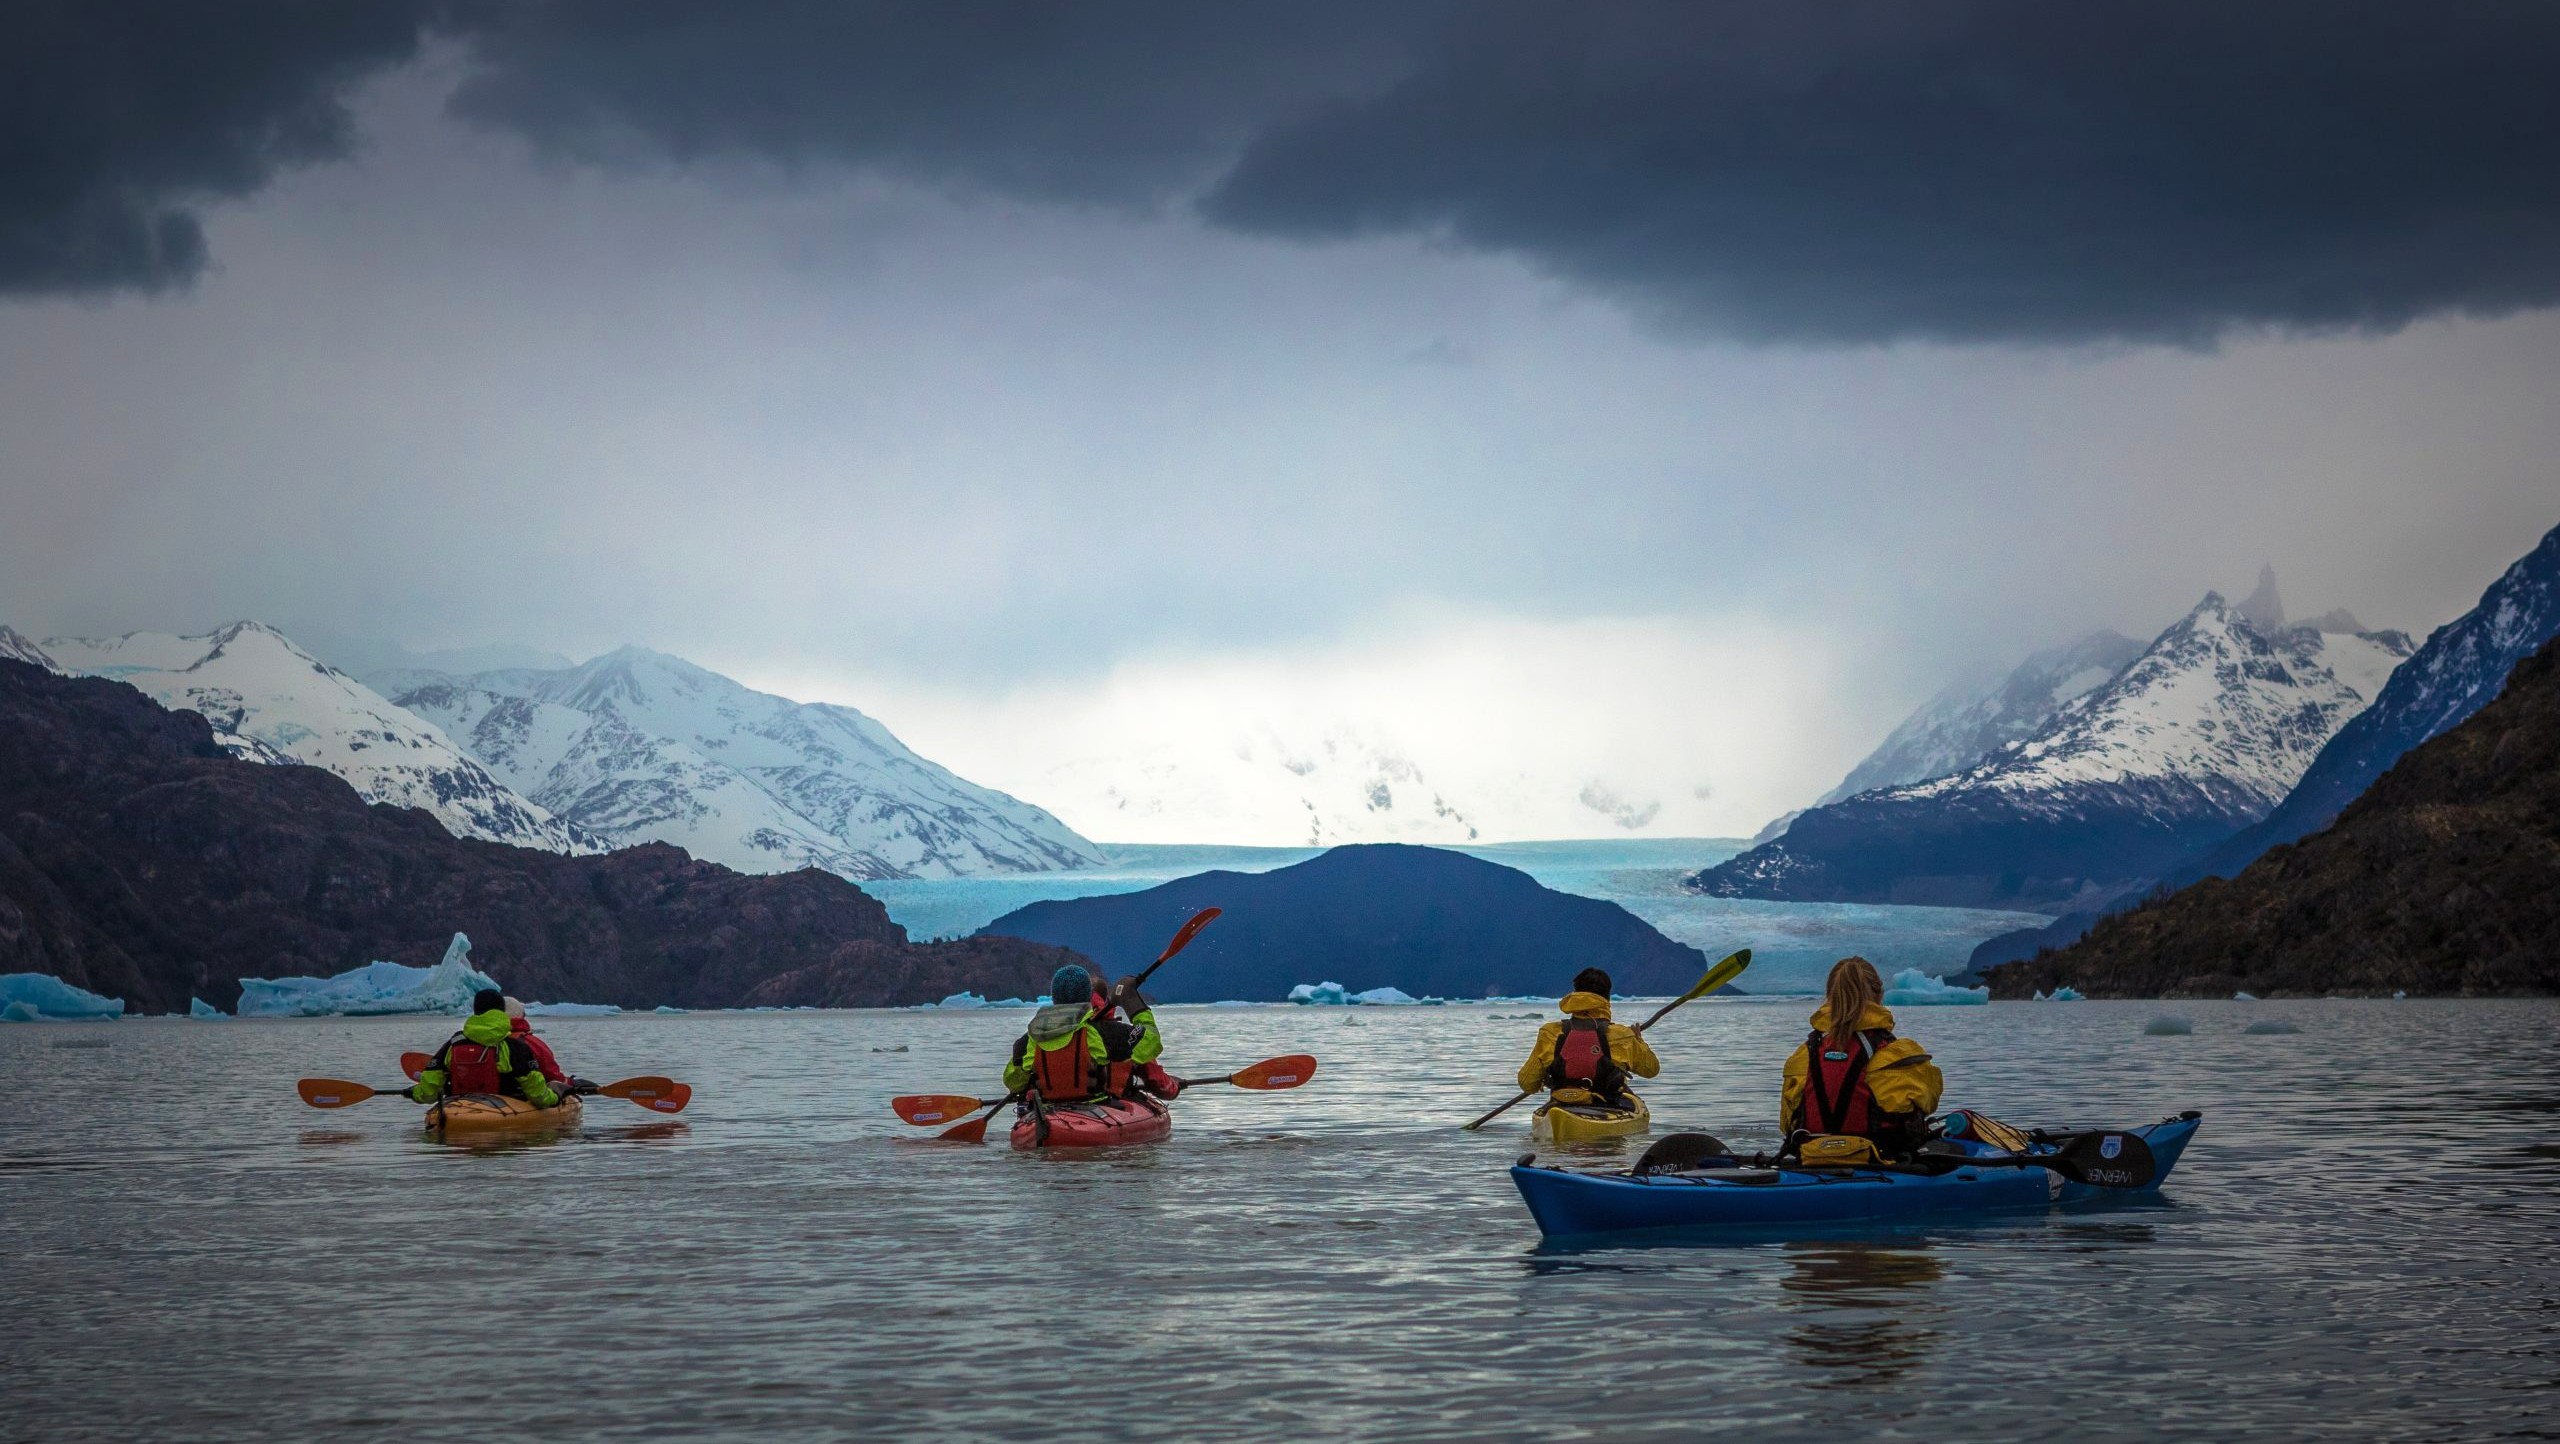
{"x": 1994, "y": 171}
{"x": 118, "y": 117}
{"x": 2003, "y": 170}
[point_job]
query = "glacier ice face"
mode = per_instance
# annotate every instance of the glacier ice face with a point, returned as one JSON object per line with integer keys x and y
{"x": 374, "y": 989}
{"x": 30, "y": 997}
{"x": 1912, "y": 988}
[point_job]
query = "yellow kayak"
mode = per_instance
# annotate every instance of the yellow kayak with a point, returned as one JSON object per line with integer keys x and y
{"x": 1575, "y": 1122}
{"x": 472, "y": 1114}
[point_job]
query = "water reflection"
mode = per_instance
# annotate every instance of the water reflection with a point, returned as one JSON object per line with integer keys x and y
{"x": 1882, "y": 1330}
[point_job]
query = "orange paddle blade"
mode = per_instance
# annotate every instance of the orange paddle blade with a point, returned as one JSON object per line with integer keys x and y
{"x": 332, "y": 1092}
{"x": 1275, "y": 1073}
{"x": 925, "y": 1109}
{"x": 414, "y": 1064}
{"x": 973, "y": 1131}
{"x": 1190, "y": 930}
{"x": 650, "y": 1092}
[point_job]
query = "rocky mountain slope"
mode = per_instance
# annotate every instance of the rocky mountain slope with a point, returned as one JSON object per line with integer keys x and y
{"x": 270, "y": 701}
{"x": 2200, "y": 736}
{"x": 1430, "y": 922}
{"x": 637, "y": 746}
{"x": 139, "y": 858}
{"x": 1978, "y": 716}
{"x": 2442, "y": 877}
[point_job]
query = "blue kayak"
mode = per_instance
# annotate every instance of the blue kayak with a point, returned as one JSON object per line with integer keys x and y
{"x": 1759, "y": 1200}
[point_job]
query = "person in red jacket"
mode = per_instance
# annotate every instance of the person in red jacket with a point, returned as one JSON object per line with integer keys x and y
{"x": 559, "y": 1077}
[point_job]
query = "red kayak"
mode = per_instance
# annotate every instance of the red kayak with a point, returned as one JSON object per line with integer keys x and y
{"x": 1103, "y": 1123}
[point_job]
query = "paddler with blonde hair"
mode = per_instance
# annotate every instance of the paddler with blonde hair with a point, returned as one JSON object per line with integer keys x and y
{"x": 1852, "y": 1077}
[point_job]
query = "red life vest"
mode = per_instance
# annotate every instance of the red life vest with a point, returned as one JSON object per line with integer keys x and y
{"x": 1583, "y": 1059}
{"x": 476, "y": 1067}
{"x": 1066, "y": 1073}
{"x": 1836, "y": 1096}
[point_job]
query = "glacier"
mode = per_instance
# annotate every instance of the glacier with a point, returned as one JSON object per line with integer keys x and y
{"x": 33, "y": 997}
{"x": 376, "y": 988}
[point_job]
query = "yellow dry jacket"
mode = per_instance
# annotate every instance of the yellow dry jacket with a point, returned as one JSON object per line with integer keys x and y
{"x": 1899, "y": 1076}
{"x": 1627, "y": 1047}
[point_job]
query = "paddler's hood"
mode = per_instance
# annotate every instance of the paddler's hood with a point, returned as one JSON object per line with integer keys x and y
{"x": 1057, "y": 1020}
{"x": 1876, "y": 1016}
{"x": 488, "y": 1029}
{"x": 1584, "y": 1005}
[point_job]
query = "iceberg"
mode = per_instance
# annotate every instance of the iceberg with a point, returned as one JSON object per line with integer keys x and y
{"x": 2064, "y": 994}
{"x": 666, "y": 1008}
{"x": 2244, "y": 997}
{"x": 1912, "y": 988}
{"x": 1331, "y": 993}
{"x": 199, "y": 1008}
{"x": 32, "y": 997}
{"x": 968, "y": 1002}
{"x": 375, "y": 988}
{"x": 570, "y": 1010}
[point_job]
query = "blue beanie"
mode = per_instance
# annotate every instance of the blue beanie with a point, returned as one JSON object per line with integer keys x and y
{"x": 1070, "y": 984}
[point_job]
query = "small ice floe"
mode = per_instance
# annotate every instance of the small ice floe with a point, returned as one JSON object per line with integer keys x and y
{"x": 2169, "y": 1025}
{"x": 372, "y": 990}
{"x": 1330, "y": 993}
{"x": 1912, "y": 988}
{"x": 2064, "y": 994}
{"x": 570, "y": 1010}
{"x": 199, "y": 1008}
{"x": 2400, "y": 997}
{"x": 2244, "y": 997}
{"x": 2270, "y": 1025}
{"x": 666, "y": 1008}
{"x": 969, "y": 1002}
{"x": 36, "y": 997}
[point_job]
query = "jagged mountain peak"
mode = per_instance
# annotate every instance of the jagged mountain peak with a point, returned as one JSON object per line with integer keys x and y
{"x": 17, "y": 646}
{"x": 2264, "y": 607}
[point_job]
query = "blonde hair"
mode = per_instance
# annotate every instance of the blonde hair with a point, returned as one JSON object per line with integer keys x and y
{"x": 1852, "y": 988}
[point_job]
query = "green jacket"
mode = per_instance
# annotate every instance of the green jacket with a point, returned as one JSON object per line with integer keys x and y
{"x": 518, "y": 1071}
{"x": 1059, "y": 1025}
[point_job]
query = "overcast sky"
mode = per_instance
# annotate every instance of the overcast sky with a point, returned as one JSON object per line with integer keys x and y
{"x": 1670, "y": 396}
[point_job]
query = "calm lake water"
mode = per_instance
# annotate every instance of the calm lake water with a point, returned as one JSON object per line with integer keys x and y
{"x": 1793, "y": 944}
{"x": 2358, "y": 1245}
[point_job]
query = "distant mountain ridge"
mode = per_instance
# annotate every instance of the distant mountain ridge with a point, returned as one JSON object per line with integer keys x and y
{"x": 2201, "y": 735}
{"x": 270, "y": 701}
{"x": 1426, "y": 920}
{"x": 2442, "y": 877}
{"x": 139, "y": 858}
{"x": 640, "y": 746}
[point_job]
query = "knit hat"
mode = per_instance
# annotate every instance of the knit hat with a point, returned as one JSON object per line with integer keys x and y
{"x": 488, "y": 1000}
{"x": 1070, "y": 984}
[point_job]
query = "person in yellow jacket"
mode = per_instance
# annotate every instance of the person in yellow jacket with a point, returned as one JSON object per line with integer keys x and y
{"x": 1586, "y": 1050}
{"x": 1852, "y": 1076}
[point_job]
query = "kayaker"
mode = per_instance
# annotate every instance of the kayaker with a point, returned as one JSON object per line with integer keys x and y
{"x": 1127, "y": 1022}
{"x": 1852, "y": 1076}
{"x": 1061, "y": 1057}
{"x": 1586, "y": 1050}
{"x": 487, "y": 1056}
{"x": 557, "y": 1076}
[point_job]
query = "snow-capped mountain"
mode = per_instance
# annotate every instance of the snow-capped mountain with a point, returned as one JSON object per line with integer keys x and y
{"x": 18, "y": 647}
{"x": 270, "y": 701}
{"x": 2458, "y": 671}
{"x": 2201, "y": 735}
{"x": 1979, "y": 715}
{"x": 1342, "y": 784}
{"x": 637, "y": 746}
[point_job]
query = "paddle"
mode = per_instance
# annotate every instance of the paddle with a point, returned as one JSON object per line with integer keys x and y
{"x": 657, "y": 1094}
{"x": 2105, "y": 1160}
{"x": 1717, "y": 976}
{"x": 338, "y": 1092}
{"x": 923, "y": 1109}
{"x": 1268, "y": 1076}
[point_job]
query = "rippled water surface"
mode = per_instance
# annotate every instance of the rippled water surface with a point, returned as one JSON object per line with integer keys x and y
{"x": 2358, "y": 1245}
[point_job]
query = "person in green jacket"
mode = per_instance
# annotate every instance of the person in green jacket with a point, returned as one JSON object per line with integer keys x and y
{"x": 1061, "y": 1057}
{"x": 487, "y": 1056}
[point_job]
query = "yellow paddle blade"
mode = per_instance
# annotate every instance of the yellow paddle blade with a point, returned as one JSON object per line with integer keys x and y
{"x": 1721, "y": 974}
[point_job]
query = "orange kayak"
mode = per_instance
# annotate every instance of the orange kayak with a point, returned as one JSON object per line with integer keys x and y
{"x": 486, "y": 1113}
{"x": 1103, "y": 1123}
